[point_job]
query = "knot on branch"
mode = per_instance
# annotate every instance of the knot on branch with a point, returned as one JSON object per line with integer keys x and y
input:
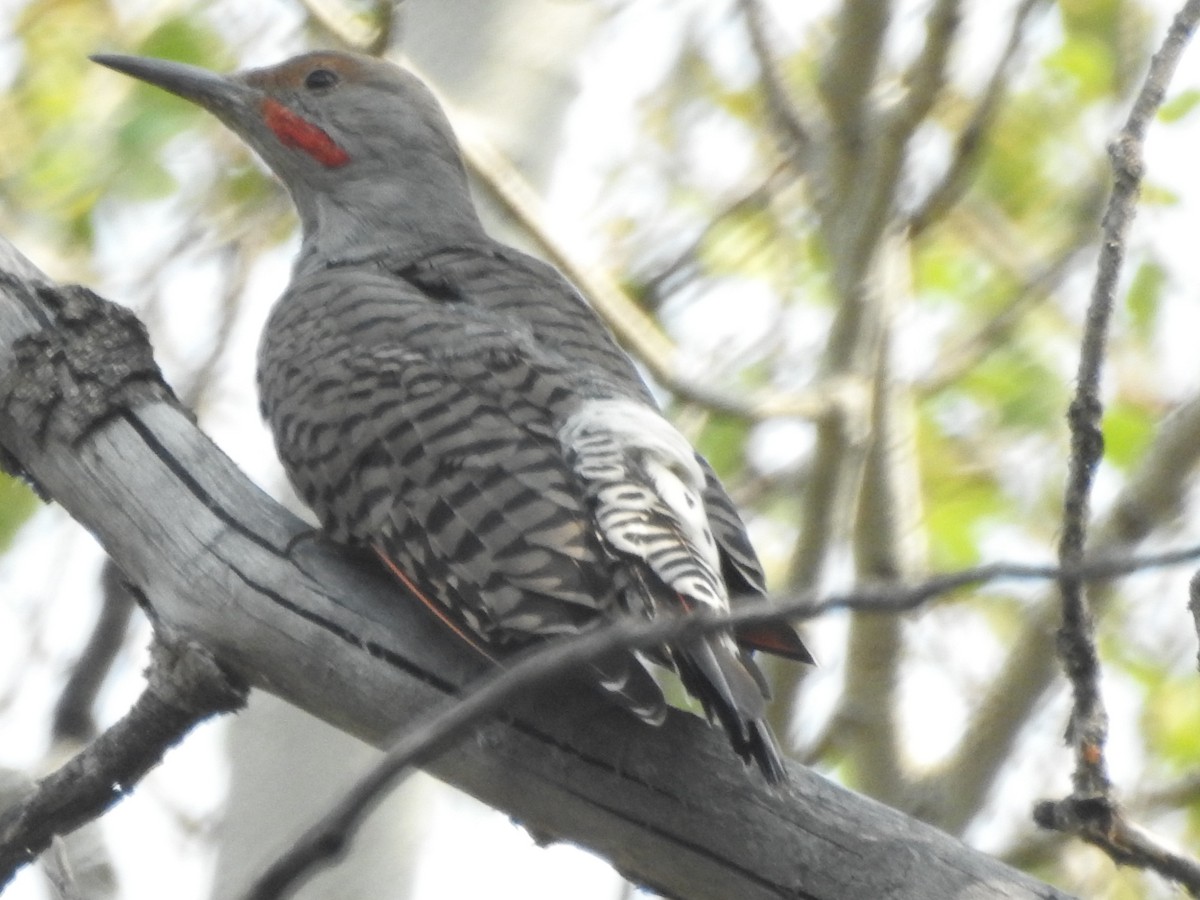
{"x": 1125, "y": 155}
{"x": 1101, "y": 822}
{"x": 91, "y": 361}
{"x": 1077, "y": 814}
{"x": 185, "y": 677}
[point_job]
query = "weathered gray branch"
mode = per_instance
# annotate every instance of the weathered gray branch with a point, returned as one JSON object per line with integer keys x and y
{"x": 220, "y": 565}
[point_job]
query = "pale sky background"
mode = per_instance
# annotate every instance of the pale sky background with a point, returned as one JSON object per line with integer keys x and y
{"x": 41, "y": 597}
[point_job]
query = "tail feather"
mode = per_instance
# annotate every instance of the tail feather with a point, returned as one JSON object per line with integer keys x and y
{"x": 623, "y": 676}
{"x": 778, "y": 638}
{"x": 763, "y": 748}
{"x": 730, "y": 689}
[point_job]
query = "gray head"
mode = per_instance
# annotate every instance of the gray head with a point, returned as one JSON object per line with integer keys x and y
{"x": 362, "y": 145}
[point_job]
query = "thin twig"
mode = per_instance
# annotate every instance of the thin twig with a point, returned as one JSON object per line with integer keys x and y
{"x": 1194, "y": 607}
{"x": 1090, "y": 812}
{"x": 1152, "y": 496}
{"x": 970, "y": 140}
{"x": 1038, "y": 283}
{"x": 73, "y": 718}
{"x": 1089, "y": 720}
{"x": 906, "y": 598}
{"x": 1100, "y": 822}
{"x": 184, "y": 686}
{"x": 926, "y": 76}
{"x": 797, "y": 145}
{"x": 1043, "y": 847}
{"x": 430, "y": 734}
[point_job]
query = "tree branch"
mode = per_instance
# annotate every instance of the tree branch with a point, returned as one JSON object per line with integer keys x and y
{"x": 926, "y": 76}
{"x": 848, "y": 76}
{"x": 184, "y": 687}
{"x": 970, "y": 140}
{"x": 73, "y": 718}
{"x": 1100, "y": 822}
{"x": 1089, "y": 720}
{"x": 1194, "y": 608}
{"x": 952, "y": 793}
{"x": 797, "y": 141}
{"x": 889, "y": 548}
{"x": 421, "y": 740}
{"x": 220, "y": 565}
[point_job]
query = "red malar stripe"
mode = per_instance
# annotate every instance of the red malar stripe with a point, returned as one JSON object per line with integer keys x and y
{"x": 296, "y": 131}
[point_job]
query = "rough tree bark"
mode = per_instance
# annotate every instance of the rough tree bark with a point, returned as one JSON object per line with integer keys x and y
{"x": 220, "y": 564}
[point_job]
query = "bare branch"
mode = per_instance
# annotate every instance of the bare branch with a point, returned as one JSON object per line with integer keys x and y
{"x": 184, "y": 686}
{"x": 927, "y": 76}
{"x": 422, "y": 740}
{"x": 952, "y": 793}
{"x": 970, "y": 140}
{"x": 1038, "y": 283}
{"x": 889, "y": 547}
{"x": 1102, "y": 823}
{"x": 220, "y": 564}
{"x": 1089, "y": 721}
{"x": 905, "y": 598}
{"x": 797, "y": 142}
{"x": 848, "y": 73}
{"x": 73, "y": 713}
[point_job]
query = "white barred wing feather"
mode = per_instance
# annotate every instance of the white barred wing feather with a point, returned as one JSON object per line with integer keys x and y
{"x": 648, "y": 492}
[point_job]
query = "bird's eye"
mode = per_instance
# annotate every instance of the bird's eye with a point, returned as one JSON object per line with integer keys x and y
{"x": 320, "y": 78}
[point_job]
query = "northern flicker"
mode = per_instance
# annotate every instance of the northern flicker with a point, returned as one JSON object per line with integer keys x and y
{"x": 456, "y": 406}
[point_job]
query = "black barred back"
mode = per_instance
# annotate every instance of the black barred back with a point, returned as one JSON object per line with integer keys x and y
{"x": 427, "y": 409}
{"x": 430, "y": 430}
{"x": 509, "y": 283}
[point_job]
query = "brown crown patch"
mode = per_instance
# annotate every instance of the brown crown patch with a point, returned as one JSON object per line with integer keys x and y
{"x": 290, "y": 75}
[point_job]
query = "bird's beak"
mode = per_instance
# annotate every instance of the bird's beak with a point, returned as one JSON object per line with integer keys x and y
{"x": 228, "y": 98}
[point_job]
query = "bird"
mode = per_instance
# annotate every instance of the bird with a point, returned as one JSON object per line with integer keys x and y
{"x": 455, "y": 406}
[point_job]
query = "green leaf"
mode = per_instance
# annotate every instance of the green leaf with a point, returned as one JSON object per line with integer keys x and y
{"x": 1179, "y": 106}
{"x": 722, "y": 442}
{"x": 1158, "y": 195}
{"x": 1087, "y": 63}
{"x": 1171, "y": 722}
{"x": 1128, "y": 430}
{"x": 1145, "y": 297}
{"x": 1023, "y": 392}
{"x": 743, "y": 242}
{"x": 960, "y": 496}
{"x": 187, "y": 39}
{"x": 17, "y": 503}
